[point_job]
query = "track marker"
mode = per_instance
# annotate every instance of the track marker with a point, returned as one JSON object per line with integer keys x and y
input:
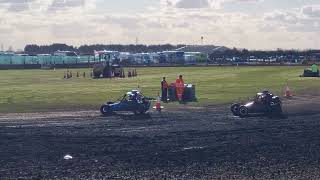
{"x": 158, "y": 106}
{"x": 287, "y": 92}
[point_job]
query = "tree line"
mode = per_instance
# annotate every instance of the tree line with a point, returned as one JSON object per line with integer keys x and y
{"x": 261, "y": 54}
{"x": 34, "y": 49}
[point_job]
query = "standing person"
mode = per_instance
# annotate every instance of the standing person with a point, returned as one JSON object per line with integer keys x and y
{"x": 164, "y": 90}
{"x": 314, "y": 68}
{"x": 180, "y": 87}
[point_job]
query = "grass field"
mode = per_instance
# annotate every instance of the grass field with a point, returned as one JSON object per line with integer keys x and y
{"x": 46, "y": 90}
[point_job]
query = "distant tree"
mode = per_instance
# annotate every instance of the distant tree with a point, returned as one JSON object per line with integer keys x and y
{"x": 89, "y": 49}
{"x": 279, "y": 54}
{"x": 32, "y": 49}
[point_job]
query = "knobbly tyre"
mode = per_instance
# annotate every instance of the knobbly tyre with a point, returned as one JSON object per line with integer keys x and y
{"x": 132, "y": 101}
{"x": 264, "y": 103}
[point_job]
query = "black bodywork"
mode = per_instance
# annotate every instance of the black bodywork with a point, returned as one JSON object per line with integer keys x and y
{"x": 263, "y": 103}
{"x": 309, "y": 73}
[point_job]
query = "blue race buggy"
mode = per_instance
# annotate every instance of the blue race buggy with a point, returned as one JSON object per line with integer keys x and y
{"x": 132, "y": 101}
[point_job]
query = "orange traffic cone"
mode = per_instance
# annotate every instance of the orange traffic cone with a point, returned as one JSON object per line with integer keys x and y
{"x": 287, "y": 92}
{"x": 158, "y": 106}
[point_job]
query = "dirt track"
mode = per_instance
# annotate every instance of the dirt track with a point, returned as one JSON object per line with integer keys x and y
{"x": 198, "y": 143}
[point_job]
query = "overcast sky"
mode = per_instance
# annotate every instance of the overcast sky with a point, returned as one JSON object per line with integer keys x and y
{"x": 253, "y": 24}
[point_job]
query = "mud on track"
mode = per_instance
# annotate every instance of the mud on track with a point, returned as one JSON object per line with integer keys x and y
{"x": 191, "y": 144}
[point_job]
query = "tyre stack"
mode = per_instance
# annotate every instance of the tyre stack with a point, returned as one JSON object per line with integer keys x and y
{"x": 189, "y": 92}
{"x": 172, "y": 92}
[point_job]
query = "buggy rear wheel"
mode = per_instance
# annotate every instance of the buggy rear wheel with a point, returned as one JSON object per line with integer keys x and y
{"x": 243, "y": 111}
{"x": 235, "y": 109}
{"x": 139, "y": 112}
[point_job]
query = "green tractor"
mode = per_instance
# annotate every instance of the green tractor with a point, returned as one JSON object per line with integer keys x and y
{"x": 106, "y": 67}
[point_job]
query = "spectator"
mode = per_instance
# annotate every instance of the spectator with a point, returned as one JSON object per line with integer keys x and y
{"x": 164, "y": 90}
{"x": 180, "y": 87}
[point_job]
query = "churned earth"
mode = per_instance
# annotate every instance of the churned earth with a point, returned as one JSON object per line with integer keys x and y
{"x": 181, "y": 143}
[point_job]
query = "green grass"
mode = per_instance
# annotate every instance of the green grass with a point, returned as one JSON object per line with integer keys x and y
{"x": 43, "y": 90}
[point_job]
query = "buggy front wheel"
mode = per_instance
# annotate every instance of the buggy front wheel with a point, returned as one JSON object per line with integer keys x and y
{"x": 105, "y": 110}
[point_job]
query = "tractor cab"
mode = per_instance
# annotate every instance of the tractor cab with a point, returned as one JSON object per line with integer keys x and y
{"x": 107, "y": 65}
{"x": 117, "y": 70}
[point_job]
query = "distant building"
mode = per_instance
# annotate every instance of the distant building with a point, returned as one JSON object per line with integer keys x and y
{"x": 65, "y": 53}
{"x": 6, "y": 58}
{"x": 162, "y": 58}
{"x": 138, "y": 58}
{"x": 315, "y": 57}
{"x": 145, "y": 58}
{"x": 202, "y": 52}
{"x": 65, "y": 57}
{"x": 205, "y": 49}
{"x": 173, "y": 57}
{"x": 190, "y": 59}
{"x": 154, "y": 58}
{"x": 199, "y": 57}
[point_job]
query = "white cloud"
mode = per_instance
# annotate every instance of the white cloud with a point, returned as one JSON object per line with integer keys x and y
{"x": 16, "y": 5}
{"x": 312, "y": 11}
{"x": 176, "y": 21}
{"x": 65, "y": 4}
{"x": 305, "y": 19}
{"x": 284, "y": 17}
{"x": 192, "y": 4}
{"x": 198, "y": 4}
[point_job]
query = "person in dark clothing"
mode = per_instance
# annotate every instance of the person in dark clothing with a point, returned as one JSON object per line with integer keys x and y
{"x": 164, "y": 90}
{"x": 135, "y": 97}
{"x": 267, "y": 98}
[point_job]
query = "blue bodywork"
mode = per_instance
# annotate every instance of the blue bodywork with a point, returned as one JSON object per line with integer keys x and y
{"x": 131, "y": 101}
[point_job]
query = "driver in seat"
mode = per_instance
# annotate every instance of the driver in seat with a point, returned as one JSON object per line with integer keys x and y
{"x": 136, "y": 97}
{"x": 267, "y": 98}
